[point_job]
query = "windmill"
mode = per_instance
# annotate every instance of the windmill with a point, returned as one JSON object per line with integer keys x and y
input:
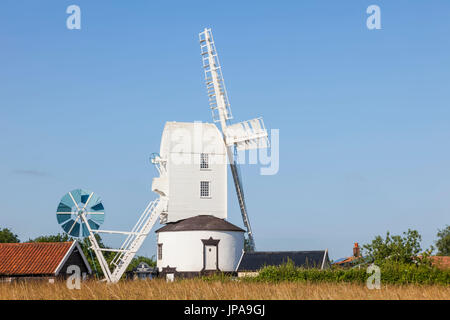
{"x": 81, "y": 213}
{"x": 246, "y": 135}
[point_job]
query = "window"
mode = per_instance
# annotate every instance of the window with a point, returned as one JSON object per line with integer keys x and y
{"x": 204, "y": 189}
{"x": 159, "y": 251}
{"x": 204, "y": 161}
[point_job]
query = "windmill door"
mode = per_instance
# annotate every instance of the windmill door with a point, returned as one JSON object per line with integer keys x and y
{"x": 210, "y": 257}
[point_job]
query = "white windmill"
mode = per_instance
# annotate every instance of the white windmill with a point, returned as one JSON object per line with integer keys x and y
{"x": 192, "y": 167}
{"x": 246, "y": 135}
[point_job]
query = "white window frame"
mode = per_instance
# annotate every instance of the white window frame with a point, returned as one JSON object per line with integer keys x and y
{"x": 202, "y": 194}
{"x": 204, "y": 165}
{"x": 160, "y": 247}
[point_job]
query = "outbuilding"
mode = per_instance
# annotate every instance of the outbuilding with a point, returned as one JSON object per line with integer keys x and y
{"x": 252, "y": 262}
{"x": 41, "y": 261}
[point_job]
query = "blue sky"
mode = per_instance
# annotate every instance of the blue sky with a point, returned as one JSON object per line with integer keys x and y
{"x": 364, "y": 115}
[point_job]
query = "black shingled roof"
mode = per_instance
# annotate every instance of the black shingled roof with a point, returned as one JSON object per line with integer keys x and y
{"x": 254, "y": 261}
{"x": 202, "y": 222}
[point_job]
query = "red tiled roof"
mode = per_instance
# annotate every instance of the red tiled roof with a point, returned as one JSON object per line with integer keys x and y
{"x": 347, "y": 260}
{"x": 32, "y": 258}
{"x": 442, "y": 262}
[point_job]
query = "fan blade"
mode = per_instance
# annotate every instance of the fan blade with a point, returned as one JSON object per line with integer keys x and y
{"x": 84, "y": 230}
{"x": 77, "y": 195}
{"x": 67, "y": 200}
{"x": 87, "y": 201}
{"x": 63, "y": 208}
{"x": 98, "y": 207}
{"x": 74, "y": 224}
{"x": 97, "y": 217}
{"x": 69, "y": 227}
{"x": 75, "y": 231}
{"x": 95, "y": 201}
{"x": 62, "y": 217}
{"x": 84, "y": 198}
{"x": 72, "y": 197}
{"x": 93, "y": 225}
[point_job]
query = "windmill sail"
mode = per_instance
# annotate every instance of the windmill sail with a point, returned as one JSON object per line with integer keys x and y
{"x": 246, "y": 135}
{"x": 241, "y": 199}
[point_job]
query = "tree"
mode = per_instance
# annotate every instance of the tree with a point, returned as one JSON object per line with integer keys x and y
{"x": 109, "y": 256}
{"x": 247, "y": 247}
{"x": 443, "y": 242}
{"x": 135, "y": 262}
{"x": 85, "y": 245}
{"x": 396, "y": 249}
{"x": 52, "y": 238}
{"x": 6, "y": 236}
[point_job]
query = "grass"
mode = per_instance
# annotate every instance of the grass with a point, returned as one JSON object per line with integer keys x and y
{"x": 197, "y": 289}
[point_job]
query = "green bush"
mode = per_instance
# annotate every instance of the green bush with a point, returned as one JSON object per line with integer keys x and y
{"x": 390, "y": 273}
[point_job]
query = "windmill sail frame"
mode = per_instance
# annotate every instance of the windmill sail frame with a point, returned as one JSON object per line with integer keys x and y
{"x": 245, "y": 135}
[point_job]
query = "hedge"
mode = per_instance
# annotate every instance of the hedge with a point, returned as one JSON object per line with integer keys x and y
{"x": 392, "y": 274}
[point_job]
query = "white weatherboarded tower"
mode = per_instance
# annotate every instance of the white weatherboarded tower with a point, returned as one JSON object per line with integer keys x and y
{"x": 193, "y": 159}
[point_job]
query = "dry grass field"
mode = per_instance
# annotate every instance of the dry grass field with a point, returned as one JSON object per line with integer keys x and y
{"x": 230, "y": 290}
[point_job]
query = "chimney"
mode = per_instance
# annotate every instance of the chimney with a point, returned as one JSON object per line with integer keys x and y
{"x": 356, "y": 250}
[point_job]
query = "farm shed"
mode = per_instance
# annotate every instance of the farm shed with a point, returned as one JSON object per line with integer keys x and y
{"x": 40, "y": 261}
{"x": 252, "y": 262}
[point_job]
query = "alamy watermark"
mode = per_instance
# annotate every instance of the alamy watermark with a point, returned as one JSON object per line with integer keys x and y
{"x": 74, "y": 20}
{"x": 374, "y": 280}
{"x": 75, "y": 277}
{"x": 187, "y": 143}
{"x": 374, "y": 20}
